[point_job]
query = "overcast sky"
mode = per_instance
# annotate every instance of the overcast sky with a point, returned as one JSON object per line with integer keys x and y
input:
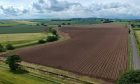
{"x": 41, "y": 9}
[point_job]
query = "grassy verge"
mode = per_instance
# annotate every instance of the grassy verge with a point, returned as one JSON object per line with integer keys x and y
{"x": 6, "y": 77}
{"x": 135, "y": 28}
{"x": 36, "y": 76}
{"x": 137, "y": 40}
{"x": 130, "y": 65}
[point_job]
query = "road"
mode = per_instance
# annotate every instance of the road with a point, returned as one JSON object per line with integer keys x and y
{"x": 135, "y": 50}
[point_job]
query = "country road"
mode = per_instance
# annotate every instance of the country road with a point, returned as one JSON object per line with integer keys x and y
{"x": 136, "y": 58}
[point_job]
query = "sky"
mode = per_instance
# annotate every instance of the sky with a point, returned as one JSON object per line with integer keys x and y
{"x": 46, "y": 9}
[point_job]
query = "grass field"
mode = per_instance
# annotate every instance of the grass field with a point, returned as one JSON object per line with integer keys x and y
{"x": 26, "y": 22}
{"x": 10, "y": 78}
{"x": 6, "y": 77}
{"x": 37, "y": 76}
{"x": 21, "y": 38}
{"x": 138, "y": 34}
{"x": 8, "y": 23}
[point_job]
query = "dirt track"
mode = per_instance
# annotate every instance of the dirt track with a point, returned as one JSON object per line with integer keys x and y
{"x": 99, "y": 51}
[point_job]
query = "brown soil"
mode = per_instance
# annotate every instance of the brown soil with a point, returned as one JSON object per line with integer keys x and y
{"x": 99, "y": 51}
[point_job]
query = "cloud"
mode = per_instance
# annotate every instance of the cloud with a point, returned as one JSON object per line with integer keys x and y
{"x": 71, "y": 9}
{"x": 113, "y": 10}
{"x": 11, "y": 11}
{"x": 53, "y": 5}
{"x": 65, "y": 9}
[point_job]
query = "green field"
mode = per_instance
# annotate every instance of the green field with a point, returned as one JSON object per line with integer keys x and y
{"x": 16, "y": 22}
{"x": 22, "y": 29}
{"x": 74, "y": 21}
{"x": 35, "y": 26}
{"x": 7, "y": 23}
{"x": 6, "y": 77}
{"x": 21, "y": 38}
{"x": 138, "y": 34}
{"x": 26, "y": 22}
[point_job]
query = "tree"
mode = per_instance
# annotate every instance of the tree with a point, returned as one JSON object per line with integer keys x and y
{"x": 53, "y": 31}
{"x": 37, "y": 24}
{"x": 107, "y": 21}
{"x": 131, "y": 77}
{"x": 41, "y": 41}
{"x": 59, "y": 25}
{"x": 52, "y": 38}
{"x": 2, "y": 48}
{"x": 54, "y": 35}
{"x": 42, "y": 24}
{"x": 63, "y": 24}
{"x": 13, "y": 62}
{"x": 10, "y": 47}
{"x": 69, "y": 23}
{"x": 132, "y": 25}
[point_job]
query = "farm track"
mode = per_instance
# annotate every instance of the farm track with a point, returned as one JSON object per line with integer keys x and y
{"x": 99, "y": 51}
{"x": 135, "y": 50}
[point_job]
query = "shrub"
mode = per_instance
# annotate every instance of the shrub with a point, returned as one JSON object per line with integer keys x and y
{"x": 53, "y": 31}
{"x": 63, "y": 24}
{"x": 52, "y": 38}
{"x": 2, "y": 48}
{"x": 59, "y": 25}
{"x": 132, "y": 25}
{"x": 13, "y": 62}
{"x": 10, "y": 47}
{"x": 37, "y": 24}
{"x": 41, "y": 41}
{"x": 107, "y": 21}
{"x": 42, "y": 24}
{"x": 131, "y": 77}
{"x": 69, "y": 23}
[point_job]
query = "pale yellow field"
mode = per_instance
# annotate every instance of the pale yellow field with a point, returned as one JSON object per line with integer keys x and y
{"x": 21, "y": 37}
{"x": 138, "y": 34}
{"x": 26, "y": 22}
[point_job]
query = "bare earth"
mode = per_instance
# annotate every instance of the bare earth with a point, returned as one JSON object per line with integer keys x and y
{"x": 99, "y": 51}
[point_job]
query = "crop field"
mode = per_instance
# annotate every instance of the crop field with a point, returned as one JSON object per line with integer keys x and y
{"x": 26, "y": 22}
{"x": 7, "y": 23}
{"x": 22, "y": 29}
{"x": 99, "y": 51}
{"x": 21, "y": 38}
{"x": 35, "y": 26}
{"x": 138, "y": 34}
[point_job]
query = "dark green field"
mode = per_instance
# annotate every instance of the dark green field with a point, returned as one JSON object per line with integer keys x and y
{"x": 35, "y": 26}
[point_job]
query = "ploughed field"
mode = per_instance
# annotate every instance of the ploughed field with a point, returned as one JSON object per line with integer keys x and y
{"x": 99, "y": 51}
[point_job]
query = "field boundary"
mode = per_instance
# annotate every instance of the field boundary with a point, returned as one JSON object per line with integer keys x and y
{"x": 63, "y": 37}
{"x": 136, "y": 49}
{"x": 137, "y": 41}
{"x": 4, "y": 66}
{"x": 131, "y": 65}
{"x": 84, "y": 63}
{"x": 57, "y": 74}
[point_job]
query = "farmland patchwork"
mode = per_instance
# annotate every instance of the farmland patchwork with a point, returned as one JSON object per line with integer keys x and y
{"x": 98, "y": 51}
